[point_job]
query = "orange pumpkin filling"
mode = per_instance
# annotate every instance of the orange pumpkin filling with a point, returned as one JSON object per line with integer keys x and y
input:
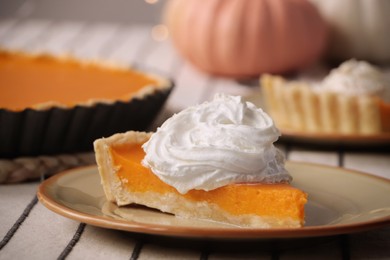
{"x": 26, "y": 81}
{"x": 275, "y": 200}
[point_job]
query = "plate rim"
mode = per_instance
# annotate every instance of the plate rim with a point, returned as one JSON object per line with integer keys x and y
{"x": 213, "y": 233}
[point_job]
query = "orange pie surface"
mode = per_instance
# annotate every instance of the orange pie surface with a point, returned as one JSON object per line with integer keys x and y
{"x": 27, "y": 80}
{"x": 274, "y": 201}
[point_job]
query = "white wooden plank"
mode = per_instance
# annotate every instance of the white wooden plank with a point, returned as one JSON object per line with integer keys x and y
{"x": 373, "y": 163}
{"x": 6, "y": 26}
{"x": 155, "y": 251}
{"x": 43, "y": 235}
{"x": 244, "y": 255}
{"x": 327, "y": 250}
{"x": 162, "y": 56}
{"x": 58, "y": 37}
{"x": 91, "y": 42}
{"x": 370, "y": 245}
{"x": 98, "y": 243}
{"x": 14, "y": 199}
{"x": 190, "y": 88}
{"x": 232, "y": 87}
{"x": 24, "y": 33}
{"x": 321, "y": 157}
{"x": 128, "y": 44}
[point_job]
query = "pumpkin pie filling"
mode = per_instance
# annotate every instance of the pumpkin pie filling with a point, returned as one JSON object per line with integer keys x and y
{"x": 273, "y": 200}
{"x": 29, "y": 80}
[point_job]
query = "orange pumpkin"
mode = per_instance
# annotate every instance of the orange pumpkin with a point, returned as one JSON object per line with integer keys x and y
{"x": 243, "y": 38}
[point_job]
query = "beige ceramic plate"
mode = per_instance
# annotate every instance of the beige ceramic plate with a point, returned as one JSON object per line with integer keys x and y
{"x": 340, "y": 201}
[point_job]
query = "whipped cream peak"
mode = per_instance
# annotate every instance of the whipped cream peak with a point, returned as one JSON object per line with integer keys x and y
{"x": 356, "y": 78}
{"x": 214, "y": 144}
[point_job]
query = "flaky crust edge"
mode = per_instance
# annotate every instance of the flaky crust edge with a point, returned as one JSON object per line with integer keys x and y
{"x": 109, "y": 180}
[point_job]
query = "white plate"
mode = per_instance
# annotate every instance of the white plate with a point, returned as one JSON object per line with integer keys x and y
{"x": 340, "y": 201}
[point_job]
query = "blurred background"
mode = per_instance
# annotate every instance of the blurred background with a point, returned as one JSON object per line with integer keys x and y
{"x": 115, "y": 11}
{"x": 130, "y": 32}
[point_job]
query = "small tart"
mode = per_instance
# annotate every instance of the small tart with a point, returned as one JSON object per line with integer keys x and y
{"x": 294, "y": 105}
{"x": 126, "y": 181}
{"x": 51, "y": 105}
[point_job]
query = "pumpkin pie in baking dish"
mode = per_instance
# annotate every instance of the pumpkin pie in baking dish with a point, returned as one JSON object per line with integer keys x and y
{"x": 52, "y": 104}
{"x": 352, "y": 99}
{"x": 214, "y": 161}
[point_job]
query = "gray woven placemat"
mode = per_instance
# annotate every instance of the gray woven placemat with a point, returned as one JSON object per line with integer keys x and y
{"x": 32, "y": 168}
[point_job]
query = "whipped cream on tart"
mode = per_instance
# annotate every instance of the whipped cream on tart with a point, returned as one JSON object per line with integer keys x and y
{"x": 213, "y": 161}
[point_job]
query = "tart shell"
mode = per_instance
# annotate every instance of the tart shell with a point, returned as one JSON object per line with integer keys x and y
{"x": 52, "y": 129}
{"x": 295, "y": 106}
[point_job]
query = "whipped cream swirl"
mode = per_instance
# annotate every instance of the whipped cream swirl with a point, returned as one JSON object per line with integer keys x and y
{"x": 356, "y": 78}
{"x": 214, "y": 144}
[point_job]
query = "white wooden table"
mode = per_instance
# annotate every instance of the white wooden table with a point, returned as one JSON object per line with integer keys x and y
{"x": 30, "y": 231}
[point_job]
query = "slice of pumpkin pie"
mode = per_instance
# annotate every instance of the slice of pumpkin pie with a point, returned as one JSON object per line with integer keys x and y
{"x": 214, "y": 161}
